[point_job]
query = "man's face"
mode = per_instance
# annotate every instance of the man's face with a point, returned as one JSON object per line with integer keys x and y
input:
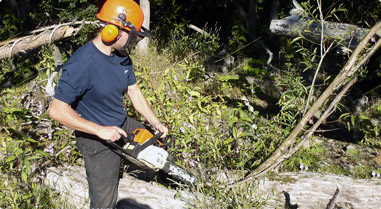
{"x": 118, "y": 45}
{"x": 126, "y": 42}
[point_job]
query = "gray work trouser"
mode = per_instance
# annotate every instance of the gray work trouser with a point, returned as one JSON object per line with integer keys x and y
{"x": 102, "y": 165}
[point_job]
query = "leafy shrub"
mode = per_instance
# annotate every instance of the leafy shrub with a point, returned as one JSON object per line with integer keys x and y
{"x": 29, "y": 141}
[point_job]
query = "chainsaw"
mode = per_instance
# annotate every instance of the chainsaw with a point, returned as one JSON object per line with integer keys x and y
{"x": 144, "y": 149}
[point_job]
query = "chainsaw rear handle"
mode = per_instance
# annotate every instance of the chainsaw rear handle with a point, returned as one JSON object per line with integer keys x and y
{"x": 116, "y": 146}
{"x": 138, "y": 147}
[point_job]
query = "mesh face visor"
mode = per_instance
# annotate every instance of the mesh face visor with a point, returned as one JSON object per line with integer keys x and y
{"x": 134, "y": 36}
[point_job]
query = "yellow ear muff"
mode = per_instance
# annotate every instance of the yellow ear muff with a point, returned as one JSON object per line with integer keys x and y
{"x": 109, "y": 33}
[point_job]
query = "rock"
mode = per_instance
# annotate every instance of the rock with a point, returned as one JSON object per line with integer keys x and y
{"x": 351, "y": 147}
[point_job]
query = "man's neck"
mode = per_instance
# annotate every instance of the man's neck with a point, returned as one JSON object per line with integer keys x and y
{"x": 108, "y": 50}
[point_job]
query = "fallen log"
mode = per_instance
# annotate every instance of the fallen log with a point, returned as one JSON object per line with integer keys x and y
{"x": 301, "y": 190}
{"x": 71, "y": 183}
{"x": 296, "y": 26}
{"x": 47, "y": 35}
{"x": 304, "y": 190}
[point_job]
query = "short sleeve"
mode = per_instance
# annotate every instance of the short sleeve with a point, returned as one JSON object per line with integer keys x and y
{"x": 72, "y": 84}
{"x": 131, "y": 76}
{"x": 127, "y": 63}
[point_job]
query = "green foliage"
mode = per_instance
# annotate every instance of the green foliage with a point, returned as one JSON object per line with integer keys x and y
{"x": 48, "y": 12}
{"x": 369, "y": 123}
{"x": 206, "y": 126}
{"x": 183, "y": 44}
{"x": 166, "y": 18}
{"x": 79, "y": 10}
{"x": 301, "y": 57}
{"x": 315, "y": 159}
{"x": 10, "y": 25}
{"x": 26, "y": 152}
{"x": 239, "y": 37}
{"x": 254, "y": 67}
{"x": 293, "y": 98}
{"x": 64, "y": 10}
{"x": 306, "y": 159}
{"x": 22, "y": 195}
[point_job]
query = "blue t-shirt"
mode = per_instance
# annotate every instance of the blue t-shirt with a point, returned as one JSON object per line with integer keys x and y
{"x": 94, "y": 84}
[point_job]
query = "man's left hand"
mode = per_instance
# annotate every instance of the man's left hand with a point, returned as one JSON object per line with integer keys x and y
{"x": 161, "y": 128}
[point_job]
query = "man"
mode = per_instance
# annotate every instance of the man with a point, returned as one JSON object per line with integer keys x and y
{"x": 89, "y": 97}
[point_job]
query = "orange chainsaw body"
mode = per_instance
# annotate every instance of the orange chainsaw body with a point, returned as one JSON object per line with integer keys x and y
{"x": 142, "y": 135}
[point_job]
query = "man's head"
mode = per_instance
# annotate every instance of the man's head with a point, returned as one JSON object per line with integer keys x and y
{"x": 122, "y": 15}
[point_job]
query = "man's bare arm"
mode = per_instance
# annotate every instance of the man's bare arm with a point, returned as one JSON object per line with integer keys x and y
{"x": 63, "y": 113}
{"x": 141, "y": 104}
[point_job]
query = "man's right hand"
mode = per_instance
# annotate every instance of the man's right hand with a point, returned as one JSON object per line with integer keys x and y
{"x": 112, "y": 133}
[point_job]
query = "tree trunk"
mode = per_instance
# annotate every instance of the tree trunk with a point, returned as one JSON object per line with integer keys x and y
{"x": 274, "y": 10}
{"x": 252, "y": 19}
{"x": 249, "y": 17}
{"x": 142, "y": 46}
{"x": 293, "y": 26}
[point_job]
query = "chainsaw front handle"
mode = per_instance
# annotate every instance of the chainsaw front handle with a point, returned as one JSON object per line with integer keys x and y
{"x": 167, "y": 141}
{"x": 155, "y": 138}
